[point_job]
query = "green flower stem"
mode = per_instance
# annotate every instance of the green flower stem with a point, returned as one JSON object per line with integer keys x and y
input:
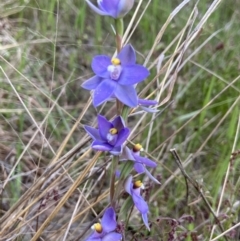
{"x": 119, "y": 27}
{"x": 125, "y": 112}
{"x": 119, "y": 33}
{"x": 119, "y": 106}
{"x": 115, "y": 160}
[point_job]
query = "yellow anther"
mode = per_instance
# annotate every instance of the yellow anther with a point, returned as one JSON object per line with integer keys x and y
{"x": 98, "y": 227}
{"x": 116, "y": 61}
{"x": 137, "y": 147}
{"x": 138, "y": 184}
{"x": 113, "y": 131}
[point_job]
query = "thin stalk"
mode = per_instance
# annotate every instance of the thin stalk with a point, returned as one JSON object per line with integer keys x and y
{"x": 119, "y": 106}
{"x": 119, "y": 33}
{"x": 119, "y": 27}
{"x": 115, "y": 160}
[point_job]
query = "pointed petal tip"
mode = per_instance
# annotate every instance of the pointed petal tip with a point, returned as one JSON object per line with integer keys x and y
{"x": 95, "y": 9}
{"x": 151, "y": 176}
{"x": 93, "y": 132}
{"x": 145, "y": 220}
{"x": 149, "y": 110}
{"x": 91, "y": 83}
{"x": 127, "y": 55}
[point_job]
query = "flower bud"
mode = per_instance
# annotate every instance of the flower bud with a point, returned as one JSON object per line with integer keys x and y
{"x": 124, "y": 7}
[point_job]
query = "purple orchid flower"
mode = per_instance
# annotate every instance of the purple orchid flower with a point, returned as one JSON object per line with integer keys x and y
{"x": 116, "y": 77}
{"x": 134, "y": 189}
{"x": 109, "y": 136}
{"x": 140, "y": 162}
{"x": 105, "y": 230}
{"x": 113, "y": 8}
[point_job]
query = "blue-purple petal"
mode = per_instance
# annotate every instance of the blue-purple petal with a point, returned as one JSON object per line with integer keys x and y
{"x": 145, "y": 220}
{"x": 140, "y": 203}
{"x": 127, "y": 95}
{"x": 95, "y": 236}
{"x": 122, "y": 136}
{"x": 144, "y": 160}
{"x": 103, "y": 92}
{"x": 145, "y": 102}
{"x": 133, "y": 74}
{"x": 93, "y": 239}
{"x": 113, "y": 236}
{"x": 100, "y": 65}
{"x": 149, "y": 110}
{"x": 127, "y": 55}
{"x": 94, "y": 133}
{"x": 139, "y": 168}
{"x": 127, "y": 154}
{"x": 111, "y": 7}
{"x": 104, "y": 126}
{"x": 117, "y": 150}
{"x": 101, "y": 146}
{"x": 128, "y": 185}
{"x": 109, "y": 220}
{"x": 95, "y": 9}
{"x": 118, "y": 123}
{"x": 151, "y": 176}
{"x": 92, "y": 83}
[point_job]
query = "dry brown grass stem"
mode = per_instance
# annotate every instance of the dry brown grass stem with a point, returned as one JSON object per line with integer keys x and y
{"x": 66, "y": 196}
{"x": 170, "y": 65}
{"x": 42, "y": 183}
{"x": 163, "y": 29}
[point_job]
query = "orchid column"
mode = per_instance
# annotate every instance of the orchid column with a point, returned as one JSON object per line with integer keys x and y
{"x": 116, "y": 78}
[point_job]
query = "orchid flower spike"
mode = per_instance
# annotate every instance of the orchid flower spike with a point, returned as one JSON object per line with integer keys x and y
{"x": 104, "y": 231}
{"x": 134, "y": 189}
{"x": 114, "y": 8}
{"x": 110, "y": 135}
{"x": 116, "y": 78}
